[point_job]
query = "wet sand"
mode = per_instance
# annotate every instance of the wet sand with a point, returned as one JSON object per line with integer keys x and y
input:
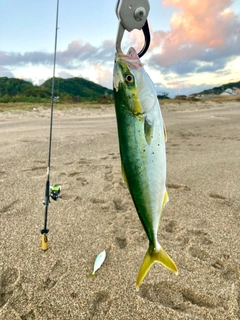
{"x": 199, "y": 227}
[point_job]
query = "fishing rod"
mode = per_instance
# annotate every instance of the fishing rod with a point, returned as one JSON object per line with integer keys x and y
{"x": 55, "y": 190}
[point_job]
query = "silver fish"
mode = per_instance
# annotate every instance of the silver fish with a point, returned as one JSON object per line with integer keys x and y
{"x": 142, "y": 137}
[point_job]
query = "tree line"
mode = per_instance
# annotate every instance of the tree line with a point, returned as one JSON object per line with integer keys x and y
{"x": 69, "y": 90}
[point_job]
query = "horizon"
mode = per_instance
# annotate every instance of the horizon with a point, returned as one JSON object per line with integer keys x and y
{"x": 159, "y": 94}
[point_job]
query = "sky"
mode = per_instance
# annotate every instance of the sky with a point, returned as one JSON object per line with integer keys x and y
{"x": 195, "y": 45}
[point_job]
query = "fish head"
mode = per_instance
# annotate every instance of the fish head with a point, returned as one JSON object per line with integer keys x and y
{"x": 131, "y": 83}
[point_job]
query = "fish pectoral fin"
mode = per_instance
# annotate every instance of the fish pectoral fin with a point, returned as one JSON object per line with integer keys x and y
{"x": 148, "y": 129}
{"x": 152, "y": 256}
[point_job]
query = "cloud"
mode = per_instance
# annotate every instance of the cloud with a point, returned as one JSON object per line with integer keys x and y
{"x": 77, "y": 54}
{"x": 5, "y": 72}
{"x": 174, "y": 88}
{"x": 103, "y": 75}
{"x": 206, "y": 31}
{"x": 65, "y": 75}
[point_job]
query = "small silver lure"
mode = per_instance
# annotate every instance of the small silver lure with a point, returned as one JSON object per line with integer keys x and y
{"x": 98, "y": 262}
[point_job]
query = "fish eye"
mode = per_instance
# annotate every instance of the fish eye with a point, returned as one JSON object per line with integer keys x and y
{"x": 129, "y": 79}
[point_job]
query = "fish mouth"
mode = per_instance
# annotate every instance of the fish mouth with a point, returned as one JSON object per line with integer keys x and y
{"x": 118, "y": 75}
{"x": 131, "y": 58}
{"x": 123, "y": 65}
{"x": 120, "y": 69}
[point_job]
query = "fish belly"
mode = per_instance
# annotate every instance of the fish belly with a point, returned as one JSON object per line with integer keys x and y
{"x": 145, "y": 169}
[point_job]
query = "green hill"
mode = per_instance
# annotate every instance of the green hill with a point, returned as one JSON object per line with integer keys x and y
{"x": 73, "y": 89}
{"x": 77, "y": 88}
{"x": 219, "y": 90}
{"x": 13, "y": 86}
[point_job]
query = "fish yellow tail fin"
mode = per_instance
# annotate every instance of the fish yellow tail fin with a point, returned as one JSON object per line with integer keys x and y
{"x": 152, "y": 256}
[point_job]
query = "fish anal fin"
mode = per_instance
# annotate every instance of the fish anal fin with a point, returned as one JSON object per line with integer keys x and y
{"x": 124, "y": 175}
{"x": 165, "y": 132}
{"x": 164, "y": 202}
{"x": 148, "y": 130}
{"x": 165, "y": 199}
{"x": 152, "y": 256}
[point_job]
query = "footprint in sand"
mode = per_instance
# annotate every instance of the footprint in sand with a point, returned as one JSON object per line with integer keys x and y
{"x": 178, "y": 186}
{"x": 216, "y": 196}
{"x": 29, "y": 316}
{"x": 101, "y": 305}
{"x": 209, "y": 301}
{"x": 110, "y": 156}
{"x": 8, "y": 279}
{"x": 197, "y": 242}
{"x": 78, "y": 198}
{"x": 73, "y": 174}
{"x": 120, "y": 204}
{"x": 198, "y": 253}
{"x": 97, "y": 200}
{"x": 201, "y": 236}
{"x": 163, "y": 293}
{"x": 82, "y": 180}
{"x": 199, "y": 239}
{"x": 84, "y": 161}
{"x": 35, "y": 168}
{"x": 58, "y": 270}
{"x": 229, "y": 271}
{"x": 68, "y": 163}
{"x": 226, "y": 201}
{"x": 176, "y": 297}
{"x": 108, "y": 173}
{"x": 171, "y": 226}
{"x": 20, "y": 302}
{"x": 196, "y": 237}
{"x": 40, "y": 161}
{"x": 8, "y": 207}
{"x": 121, "y": 242}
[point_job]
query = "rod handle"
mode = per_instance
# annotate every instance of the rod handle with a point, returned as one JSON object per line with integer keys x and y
{"x": 44, "y": 240}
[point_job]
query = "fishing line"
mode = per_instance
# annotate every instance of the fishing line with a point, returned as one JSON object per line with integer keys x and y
{"x": 45, "y": 231}
{"x": 58, "y": 113}
{"x": 57, "y": 122}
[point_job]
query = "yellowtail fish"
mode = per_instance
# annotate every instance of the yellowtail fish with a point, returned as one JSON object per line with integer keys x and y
{"x": 98, "y": 262}
{"x": 142, "y": 136}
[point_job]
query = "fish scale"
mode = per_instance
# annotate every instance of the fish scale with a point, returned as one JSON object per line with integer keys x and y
{"x": 142, "y": 135}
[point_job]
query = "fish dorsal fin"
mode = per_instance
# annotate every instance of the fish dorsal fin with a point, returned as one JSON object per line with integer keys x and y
{"x": 165, "y": 132}
{"x": 148, "y": 129}
{"x": 124, "y": 175}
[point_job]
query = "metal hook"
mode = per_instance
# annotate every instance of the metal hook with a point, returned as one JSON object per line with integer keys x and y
{"x": 132, "y": 16}
{"x": 147, "y": 37}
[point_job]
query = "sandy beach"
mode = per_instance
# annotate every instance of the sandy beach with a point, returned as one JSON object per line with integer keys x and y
{"x": 199, "y": 227}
